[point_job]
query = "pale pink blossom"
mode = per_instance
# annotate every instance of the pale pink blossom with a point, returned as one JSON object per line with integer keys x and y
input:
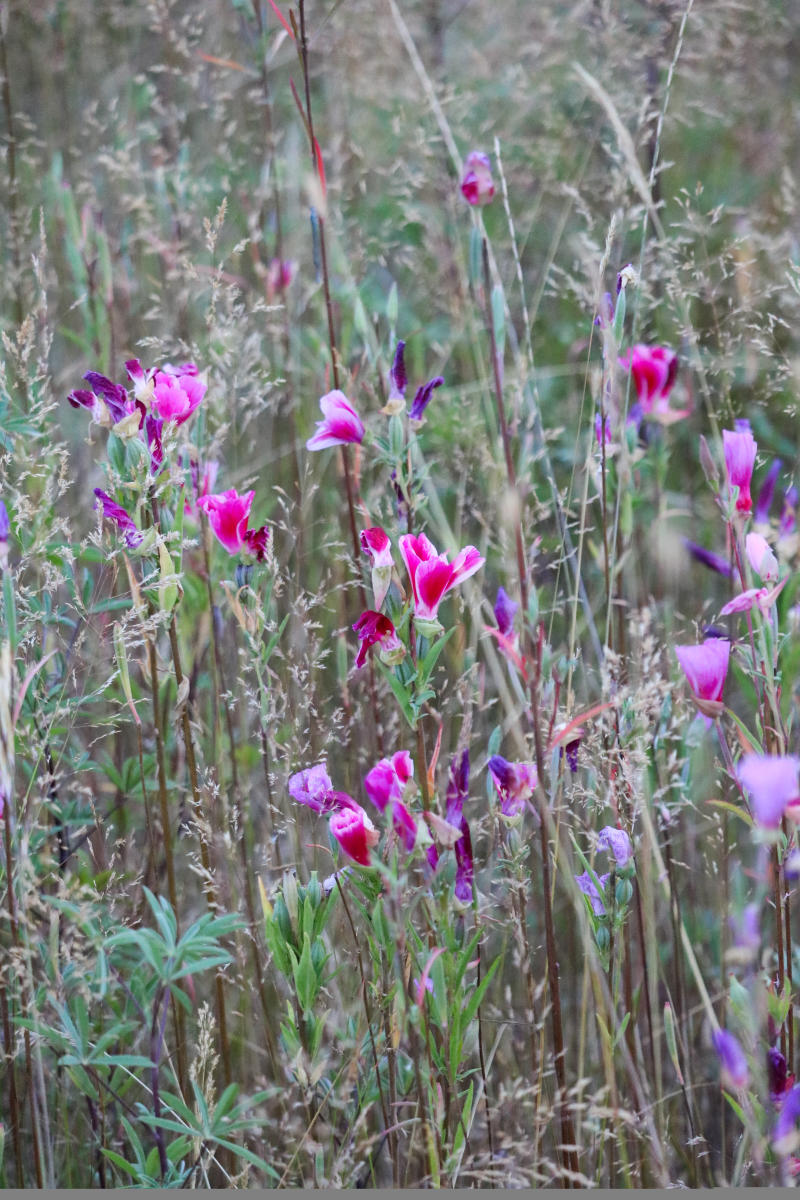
{"x": 761, "y": 557}
{"x": 341, "y": 423}
{"x": 706, "y": 667}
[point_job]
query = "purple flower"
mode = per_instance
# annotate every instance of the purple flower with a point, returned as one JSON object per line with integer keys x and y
{"x": 788, "y": 519}
{"x": 387, "y": 780}
{"x": 313, "y": 788}
{"x": 504, "y": 609}
{"x": 5, "y": 533}
{"x": 732, "y": 1060}
{"x": 515, "y": 784}
{"x": 766, "y": 493}
{"x": 113, "y": 394}
{"x": 746, "y": 930}
{"x": 404, "y": 825}
{"x": 422, "y": 398}
{"x": 123, "y": 520}
{"x": 616, "y": 842}
{"x": 771, "y": 780}
{"x": 784, "y": 1135}
{"x": 708, "y": 558}
{"x": 398, "y": 380}
{"x": 589, "y": 888}
{"x": 457, "y": 792}
{"x": 778, "y": 1078}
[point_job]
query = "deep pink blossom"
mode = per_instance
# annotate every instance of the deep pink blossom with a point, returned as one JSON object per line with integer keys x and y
{"x": 477, "y": 185}
{"x": 341, "y": 423}
{"x": 177, "y": 392}
{"x": 653, "y": 372}
{"x": 228, "y": 514}
{"x": 280, "y": 274}
{"x": 387, "y": 780}
{"x": 354, "y": 832}
{"x": 122, "y": 519}
{"x": 431, "y": 574}
{"x": 515, "y": 784}
{"x": 374, "y": 629}
{"x": 740, "y": 448}
{"x": 706, "y": 667}
{"x": 772, "y": 783}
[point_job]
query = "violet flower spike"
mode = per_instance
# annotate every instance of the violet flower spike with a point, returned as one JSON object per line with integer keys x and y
{"x": 423, "y": 398}
{"x": 504, "y": 610}
{"x": 715, "y": 562}
{"x": 616, "y": 842}
{"x": 122, "y": 519}
{"x": 766, "y": 493}
{"x": 732, "y": 1060}
{"x": 785, "y": 1134}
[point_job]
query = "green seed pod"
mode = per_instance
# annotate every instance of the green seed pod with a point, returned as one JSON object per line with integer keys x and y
{"x": 602, "y": 937}
{"x": 282, "y": 921}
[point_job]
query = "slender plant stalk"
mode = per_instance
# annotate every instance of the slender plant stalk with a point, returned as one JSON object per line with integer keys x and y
{"x": 13, "y": 1102}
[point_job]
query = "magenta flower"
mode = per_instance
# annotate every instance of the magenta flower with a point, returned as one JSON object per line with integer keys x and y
{"x": 653, "y": 371}
{"x": 280, "y": 274}
{"x": 779, "y": 1081}
{"x": 108, "y": 402}
{"x": 122, "y": 519}
{"x": 374, "y": 629}
{"x": 228, "y": 514}
{"x": 761, "y": 557}
{"x": 589, "y": 888}
{"x": 771, "y": 780}
{"x": 404, "y": 825}
{"x": 177, "y": 391}
{"x": 477, "y": 186}
{"x": 431, "y": 574}
{"x": 732, "y": 1060}
{"x": 341, "y": 423}
{"x": 5, "y": 534}
{"x": 398, "y": 380}
{"x": 375, "y": 542}
{"x": 387, "y": 781}
{"x": 705, "y": 668}
{"x": 740, "y": 448}
{"x": 616, "y": 842}
{"x": 354, "y": 832}
{"x": 515, "y": 784}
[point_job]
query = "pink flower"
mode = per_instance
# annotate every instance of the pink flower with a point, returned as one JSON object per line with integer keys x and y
{"x": 477, "y": 186}
{"x": 177, "y": 391}
{"x": 374, "y": 629}
{"x": 740, "y": 455}
{"x": 705, "y": 668}
{"x": 431, "y": 574}
{"x": 279, "y": 276}
{"x": 354, "y": 832}
{"x": 228, "y": 514}
{"x": 653, "y": 370}
{"x": 341, "y": 423}
{"x": 387, "y": 780}
{"x": 515, "y": 784}
{"x": 771, "y": 780}
{"x": 376, "y": 543}
{"x": 763, "y": 597}
{"x": 762, "y": 559}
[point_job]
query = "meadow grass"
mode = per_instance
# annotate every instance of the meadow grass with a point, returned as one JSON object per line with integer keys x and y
{"x": 399, "y": 623}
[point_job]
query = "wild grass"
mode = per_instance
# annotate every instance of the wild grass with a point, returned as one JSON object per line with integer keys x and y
{"x": 199, "y": 986}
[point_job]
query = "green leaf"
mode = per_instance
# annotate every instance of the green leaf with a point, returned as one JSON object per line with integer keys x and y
{"x": 479, "y": 993}
{"x": 305, "y": 977}
{"x": 431, "y": 658}
{"x": 400, "y": 694}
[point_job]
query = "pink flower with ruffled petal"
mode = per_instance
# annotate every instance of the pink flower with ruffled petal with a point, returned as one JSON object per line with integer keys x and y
{"x": 227, "y": 514}
{"x": 177, "y": 393}
{"x": 431, "y": 574}
{"x": 761, "y": 557}
{"x": 341, "y": 423}
{"x": 354, "y": 832}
